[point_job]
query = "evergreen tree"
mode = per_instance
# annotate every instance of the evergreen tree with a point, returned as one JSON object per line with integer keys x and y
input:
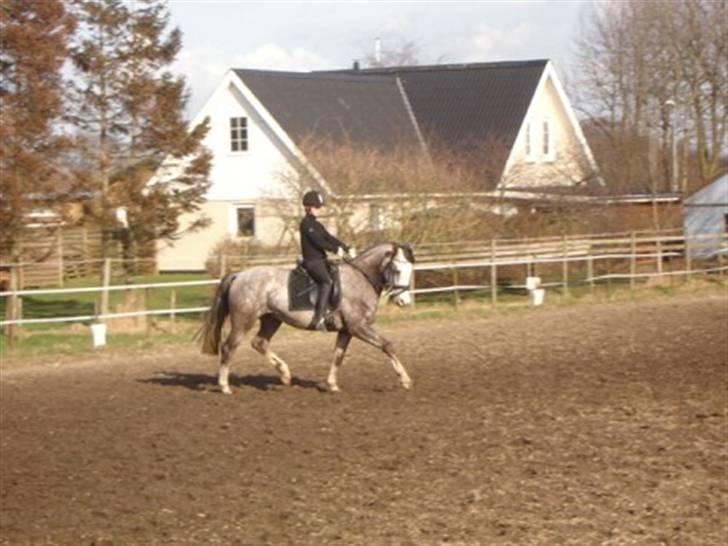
{"x": 130, "y": 111}
{"x": 33, "y": 38}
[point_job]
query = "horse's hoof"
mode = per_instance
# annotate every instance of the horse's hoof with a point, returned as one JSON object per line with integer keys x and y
{"x": 334, "y": 388}
{"x": 226, "y": 390}
{"x": 407, "y": 385}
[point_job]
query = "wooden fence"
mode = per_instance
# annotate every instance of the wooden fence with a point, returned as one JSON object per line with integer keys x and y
{"x": 562, "y": 262}
{"x": 56, "y": 256}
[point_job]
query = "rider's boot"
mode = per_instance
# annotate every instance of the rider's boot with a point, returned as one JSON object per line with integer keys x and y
{"x": 322, "y": 306}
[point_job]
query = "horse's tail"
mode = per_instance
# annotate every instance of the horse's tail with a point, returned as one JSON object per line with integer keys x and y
{"x": 211, "y": 330}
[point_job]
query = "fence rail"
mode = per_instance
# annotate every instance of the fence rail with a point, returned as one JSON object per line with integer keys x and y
{"x": 621, "y": 257}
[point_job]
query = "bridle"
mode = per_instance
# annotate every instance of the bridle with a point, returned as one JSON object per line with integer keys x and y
{"x": 390, "y": 285}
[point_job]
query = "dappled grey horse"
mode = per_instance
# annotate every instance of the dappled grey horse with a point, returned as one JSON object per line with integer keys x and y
{"x": 261, "y": 294}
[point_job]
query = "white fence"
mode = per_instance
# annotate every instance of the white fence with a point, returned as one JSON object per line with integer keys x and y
{"x": 601, "y": 259}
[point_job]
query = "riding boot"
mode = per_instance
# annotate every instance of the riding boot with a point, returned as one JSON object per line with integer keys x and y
{"x": 322, "y": 307}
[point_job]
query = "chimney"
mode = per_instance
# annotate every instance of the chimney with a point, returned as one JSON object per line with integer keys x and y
{"x": 378, "y": 51}
{"x": 356, "y": 66}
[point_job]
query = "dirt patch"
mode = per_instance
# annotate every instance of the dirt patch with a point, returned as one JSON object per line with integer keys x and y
{"x": 594, "y": 424}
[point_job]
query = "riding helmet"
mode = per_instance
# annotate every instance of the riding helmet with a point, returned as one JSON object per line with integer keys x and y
{"x": 313, "y": 198}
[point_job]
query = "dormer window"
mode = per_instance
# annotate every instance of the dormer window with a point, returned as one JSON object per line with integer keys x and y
{"x": 238, "y": 134}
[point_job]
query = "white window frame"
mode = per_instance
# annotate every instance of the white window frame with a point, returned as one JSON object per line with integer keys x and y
{"x": 548, "y": 140}
{"x": 238, "y": 134}
{"x": 528, "y": 144}
{"x": 234, "y": 224}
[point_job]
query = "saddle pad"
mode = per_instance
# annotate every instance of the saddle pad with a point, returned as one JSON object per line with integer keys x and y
{"x": 303, "y": 290}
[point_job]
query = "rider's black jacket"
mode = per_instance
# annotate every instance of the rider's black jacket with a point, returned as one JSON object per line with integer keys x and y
{"x": 315, "y": 240}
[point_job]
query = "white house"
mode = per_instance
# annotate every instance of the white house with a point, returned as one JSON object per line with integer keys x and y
{"x": 259, "y": 118}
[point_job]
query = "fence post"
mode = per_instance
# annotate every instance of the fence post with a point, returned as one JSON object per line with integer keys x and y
{"x": 12, "y": 311}
{"x": 493, "y": 274}
{"x": 147, "y": 304}
{"x": 172, "y": 306}
{"x": 413, "y": 287}
{"x": 632, "y": 260}
{"x": 590, "y": 272}
{"x": 565, "y": 265}
{"x": 455, "y": 283}
{"x": 105, "y": 282}
{"x": 688, "y": 258}
{"x": 659, "y": 255}
{"x": 60, "y": 257}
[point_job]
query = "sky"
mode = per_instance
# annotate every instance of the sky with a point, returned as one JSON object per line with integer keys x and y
{"x": 297, "y": 35}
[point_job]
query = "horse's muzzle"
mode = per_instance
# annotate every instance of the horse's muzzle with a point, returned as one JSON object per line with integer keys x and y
{"x": 403, "y": 298}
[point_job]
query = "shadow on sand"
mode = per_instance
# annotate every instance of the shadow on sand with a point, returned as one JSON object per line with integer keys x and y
{"x": 206, "y": 382}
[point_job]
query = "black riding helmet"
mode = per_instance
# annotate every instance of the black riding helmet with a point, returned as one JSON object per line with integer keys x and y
{"x": 313, "y": 198}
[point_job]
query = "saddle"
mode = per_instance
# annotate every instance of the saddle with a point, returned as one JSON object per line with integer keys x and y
{"x": 303, "y": 290}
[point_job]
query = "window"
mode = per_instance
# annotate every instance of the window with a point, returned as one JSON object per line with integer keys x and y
{"x": 376, "y": 218}
{"x": 548, "y": 142}
{"x": 245, "y": 217}
{"x": 238, "y": 134}
{"x": 529, "y": 146}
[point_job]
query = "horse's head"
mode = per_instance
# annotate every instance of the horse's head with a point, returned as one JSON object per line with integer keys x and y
{"x": 397, "y": 271}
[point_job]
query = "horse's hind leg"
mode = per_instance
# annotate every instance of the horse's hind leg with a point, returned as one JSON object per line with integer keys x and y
{"x": 239, "y": 325}
{"x": 342, "y": 342}
{"x": 269, "y": 325}
{"x": 371, "y": 336}
{"x": 226, "y": 353}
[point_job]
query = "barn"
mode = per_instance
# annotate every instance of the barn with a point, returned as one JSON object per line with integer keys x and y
{"x": 705, "y": 213}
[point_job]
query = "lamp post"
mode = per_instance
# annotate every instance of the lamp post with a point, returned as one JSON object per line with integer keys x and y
{"x": 670, "y": 107}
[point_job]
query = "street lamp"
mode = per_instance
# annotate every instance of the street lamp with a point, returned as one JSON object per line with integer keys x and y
{"x": 670, "y": 107}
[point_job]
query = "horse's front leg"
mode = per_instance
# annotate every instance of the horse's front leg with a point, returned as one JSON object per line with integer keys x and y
{"x": 342, "y": 342}
{"x": 371, "y": 336}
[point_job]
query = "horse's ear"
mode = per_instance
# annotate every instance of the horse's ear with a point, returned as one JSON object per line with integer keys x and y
{"x": 409, "y": 253}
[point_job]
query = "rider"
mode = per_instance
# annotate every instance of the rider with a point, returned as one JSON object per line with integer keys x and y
{"x": 315, "y": 241}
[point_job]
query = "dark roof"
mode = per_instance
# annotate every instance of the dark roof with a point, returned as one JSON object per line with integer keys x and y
{"x": 454, "y": 104}
{"x": 341, "y": 107}
{"x": 459, "y": 104}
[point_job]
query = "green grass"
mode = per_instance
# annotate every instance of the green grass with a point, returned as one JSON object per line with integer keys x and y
{"x": 85, "y": 303}
{"x": 52, "y": 339}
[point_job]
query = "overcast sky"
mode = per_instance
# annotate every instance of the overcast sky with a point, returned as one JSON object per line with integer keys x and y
{"x": 220, "y": 34}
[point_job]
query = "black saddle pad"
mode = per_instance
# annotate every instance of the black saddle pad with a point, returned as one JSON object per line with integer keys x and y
{"x": 303, "y": 290}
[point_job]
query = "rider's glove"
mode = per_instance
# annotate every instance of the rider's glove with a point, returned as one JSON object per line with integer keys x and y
{"x": 340, "y": 252}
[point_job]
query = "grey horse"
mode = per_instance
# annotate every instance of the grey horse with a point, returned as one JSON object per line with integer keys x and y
{"x": 261, "y": 294}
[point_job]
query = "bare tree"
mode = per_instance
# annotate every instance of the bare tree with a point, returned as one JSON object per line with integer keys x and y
{"x": 647, "y": 71}
{"x": 396, "y": 52}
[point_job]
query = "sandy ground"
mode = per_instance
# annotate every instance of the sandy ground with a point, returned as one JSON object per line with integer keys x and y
{"x": 593, "y": 424}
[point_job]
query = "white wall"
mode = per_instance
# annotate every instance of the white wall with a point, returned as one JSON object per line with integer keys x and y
{"x": 567, "y": 164}
{"x": 244, "y": 175}
{"x": 237, "y": 178}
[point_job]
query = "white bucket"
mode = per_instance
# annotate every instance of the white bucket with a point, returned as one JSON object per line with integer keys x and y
{"x": 98, "y": 335}
{"x": 532, "y": 283}
{"x": 537, "y": 296}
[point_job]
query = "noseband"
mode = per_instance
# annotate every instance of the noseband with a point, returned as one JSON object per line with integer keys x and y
{"x": 387, "y": 273}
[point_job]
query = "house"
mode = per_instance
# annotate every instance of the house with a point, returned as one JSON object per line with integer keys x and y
{"x": 705, "y": 219}
{"x": 260, "y": 119}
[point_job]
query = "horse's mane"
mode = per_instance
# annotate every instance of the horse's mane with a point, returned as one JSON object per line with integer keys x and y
{"x": 404, "y": 246}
